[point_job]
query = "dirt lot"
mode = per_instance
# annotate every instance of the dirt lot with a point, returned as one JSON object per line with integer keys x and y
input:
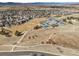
{"x": 62, "y": 40}
{"x": 66, "y": 36}
{"x": 63, "y": 36}
{"x": 27, "y": 25}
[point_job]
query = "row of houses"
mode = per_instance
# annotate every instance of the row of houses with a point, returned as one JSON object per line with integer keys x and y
{"x": 52, "y": 22}
{"x": 17, "y": 17}
{"x": 13, "y": 17}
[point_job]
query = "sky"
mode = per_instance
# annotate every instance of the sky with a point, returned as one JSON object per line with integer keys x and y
{"x": 26, "y": 1}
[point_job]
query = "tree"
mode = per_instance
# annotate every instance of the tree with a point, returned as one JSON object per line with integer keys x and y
{"x": 54, "y": 25}
{"x": 17, "y": 33}
{"x": 70, "y": 22}
{"x": 5, "y": 32}
{"x": 37, "y": 27}
{"x": 64, "y": 20}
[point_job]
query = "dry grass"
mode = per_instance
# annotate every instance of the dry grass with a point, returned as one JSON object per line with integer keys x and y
{"x": 27, "y": 25}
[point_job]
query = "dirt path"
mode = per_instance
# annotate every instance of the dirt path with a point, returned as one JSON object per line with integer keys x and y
{"x": 13, "y": 47}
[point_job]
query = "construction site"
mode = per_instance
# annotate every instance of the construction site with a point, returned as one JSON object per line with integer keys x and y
{"x": 39, "y": 30}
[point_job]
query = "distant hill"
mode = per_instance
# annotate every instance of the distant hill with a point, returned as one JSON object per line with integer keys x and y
{"x": 36, "y": 3}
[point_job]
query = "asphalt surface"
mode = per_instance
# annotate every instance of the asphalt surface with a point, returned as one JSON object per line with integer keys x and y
{"x": 25, "y": 53}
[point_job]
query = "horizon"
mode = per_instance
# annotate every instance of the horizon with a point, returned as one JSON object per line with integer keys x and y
{"x": 45, "y": 2}
{"x": 39, "y": 2}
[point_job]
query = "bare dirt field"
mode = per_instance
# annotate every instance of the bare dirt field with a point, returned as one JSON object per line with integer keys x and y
{"x": 61, "y": 40}
{"x": 28, "y": 25}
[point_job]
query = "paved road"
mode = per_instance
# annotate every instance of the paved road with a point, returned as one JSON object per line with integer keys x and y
{"x": 25, "y": 53}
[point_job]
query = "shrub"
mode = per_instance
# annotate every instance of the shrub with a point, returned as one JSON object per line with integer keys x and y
{"x": 37, "y": 27}
{"x": 54, "y": 25}
{"x": 17, "y": 33}
{"x": 70, "y": 22}
{"x": 5, "y": 32}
